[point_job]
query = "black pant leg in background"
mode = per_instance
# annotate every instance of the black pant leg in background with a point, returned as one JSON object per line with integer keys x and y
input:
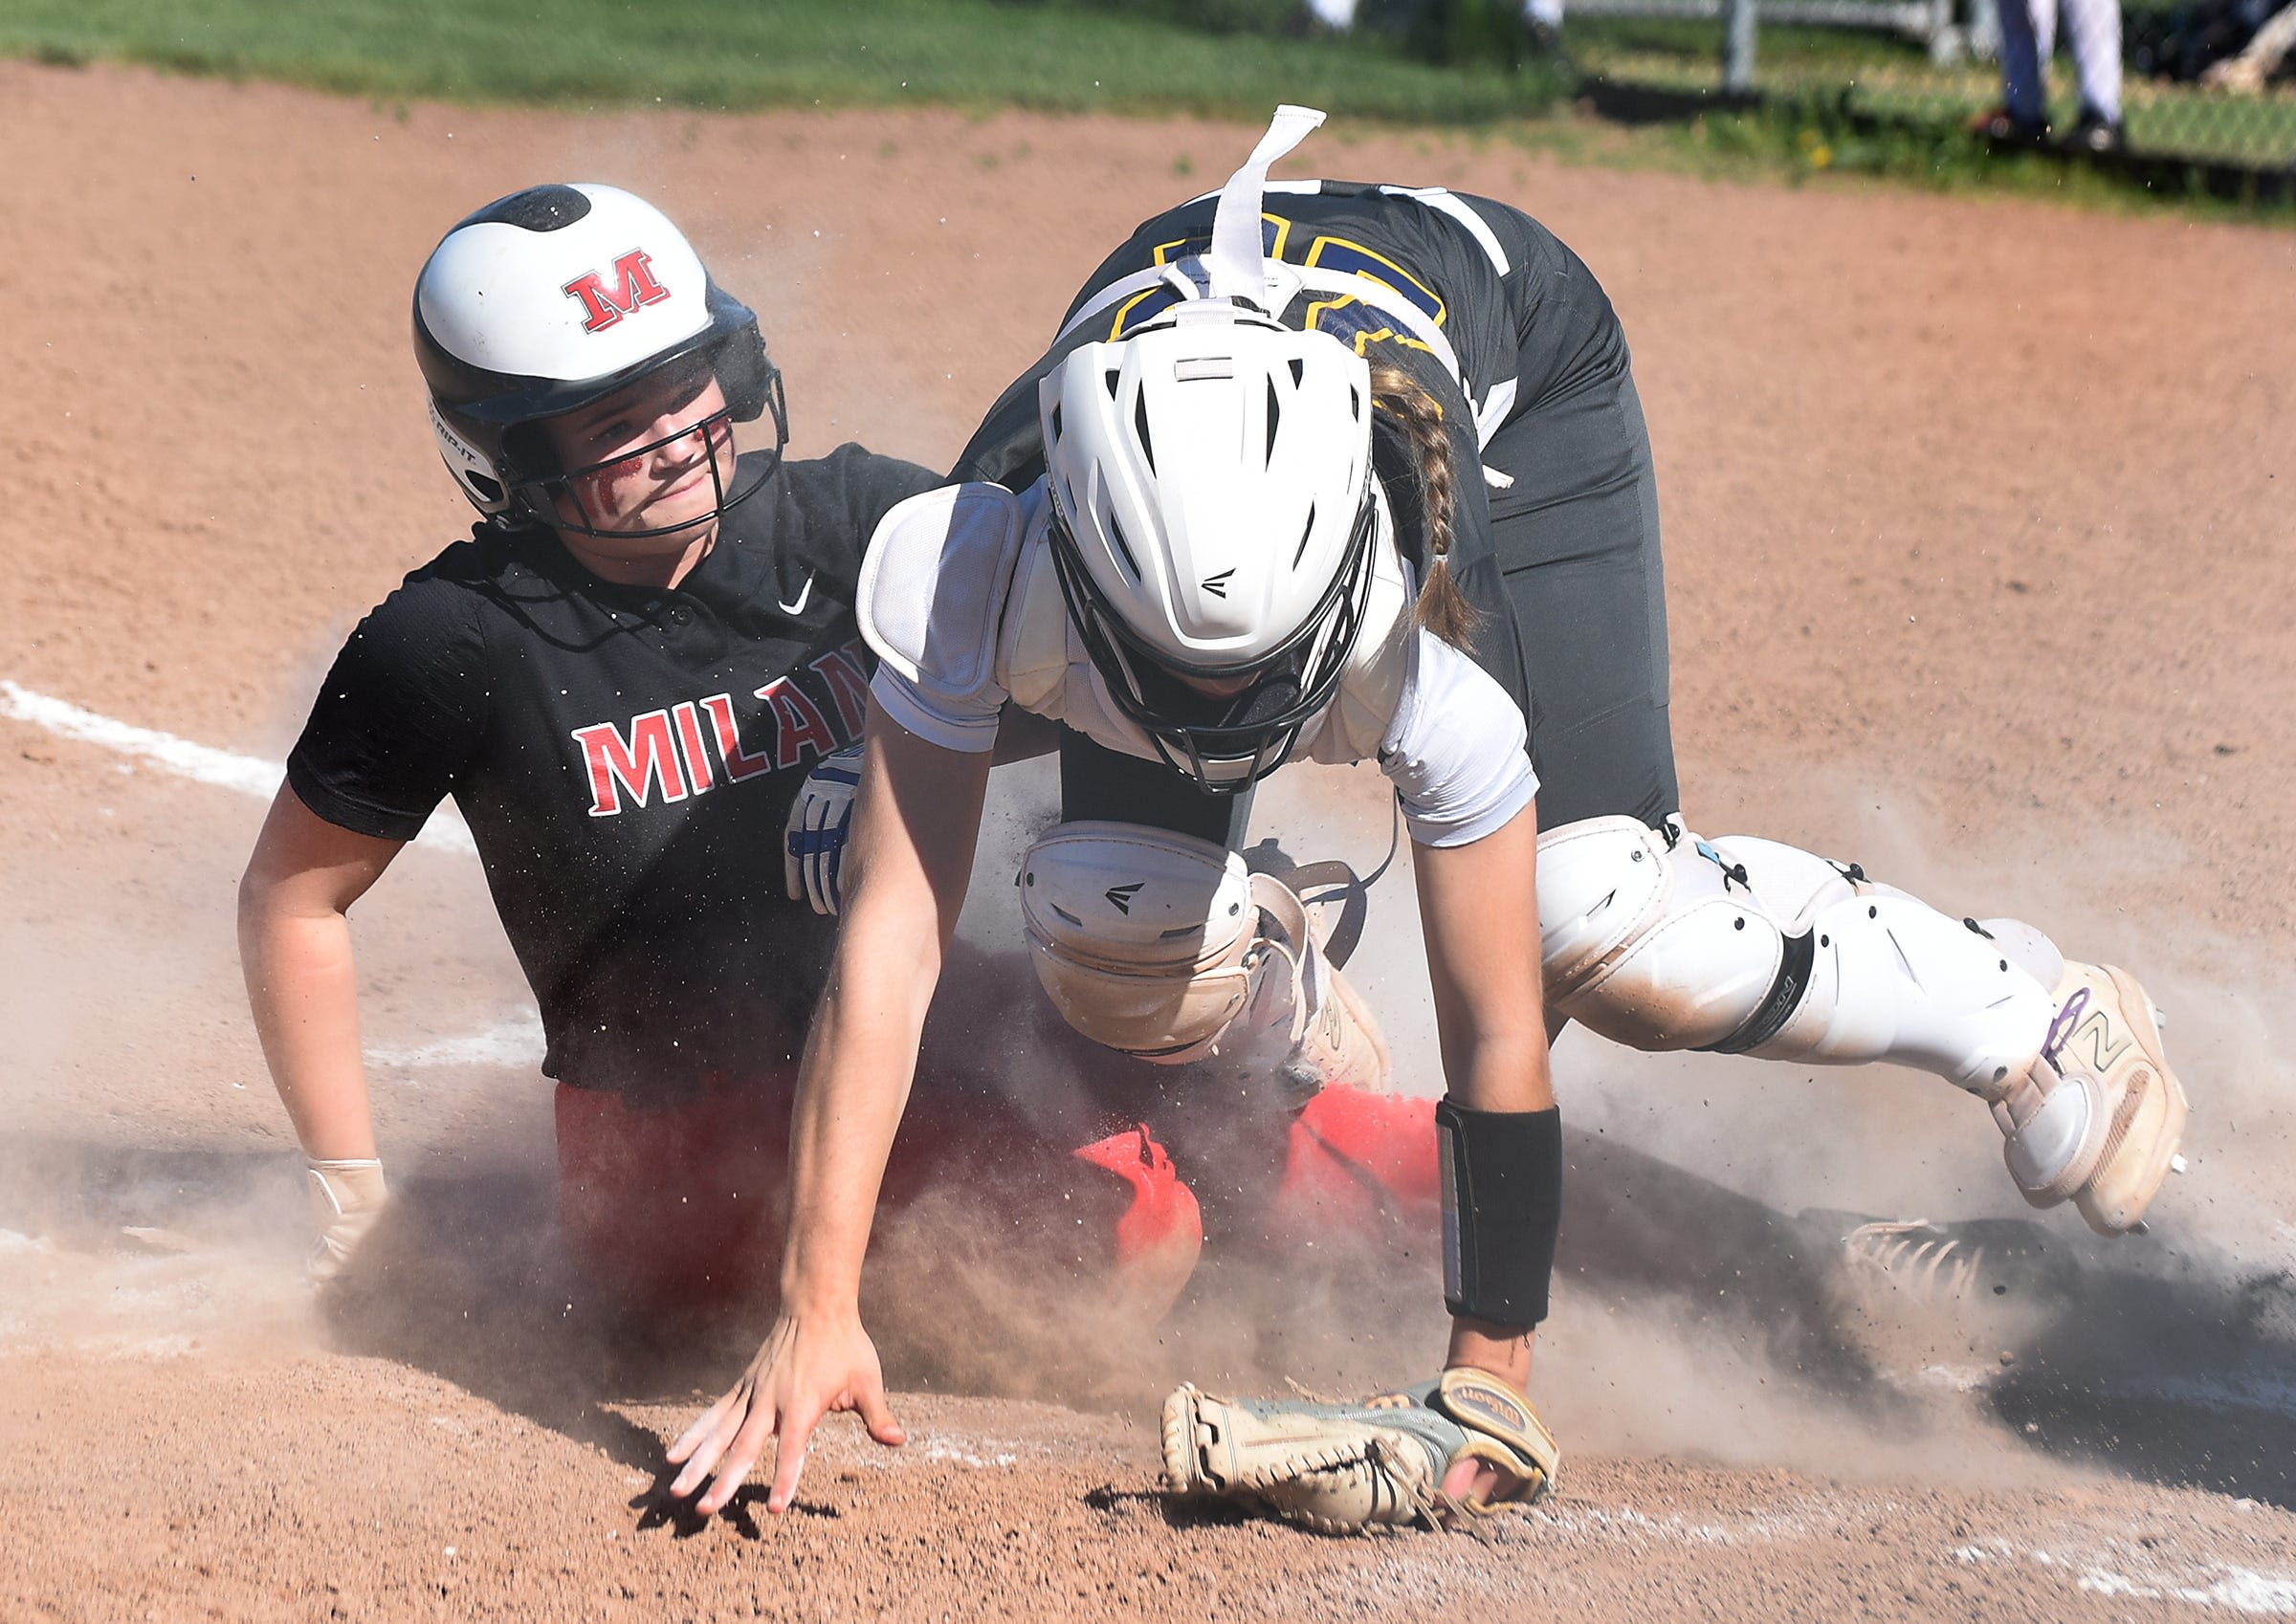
{"x": 1577, "y": 543}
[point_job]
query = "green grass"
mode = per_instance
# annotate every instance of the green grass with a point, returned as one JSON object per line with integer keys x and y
{"x": 747, "y": 54}
{"x": 1889, "y": 77}
{"x": 1827, "y": 86}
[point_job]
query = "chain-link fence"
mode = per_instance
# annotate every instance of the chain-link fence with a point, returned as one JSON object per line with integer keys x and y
{"x": 2209, "y": 85}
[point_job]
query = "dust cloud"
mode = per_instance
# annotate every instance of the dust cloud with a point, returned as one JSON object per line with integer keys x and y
{"x": 1708, "y": 1303}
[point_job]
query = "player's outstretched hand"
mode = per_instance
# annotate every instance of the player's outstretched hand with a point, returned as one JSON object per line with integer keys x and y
{"x": 805, "y": 1370}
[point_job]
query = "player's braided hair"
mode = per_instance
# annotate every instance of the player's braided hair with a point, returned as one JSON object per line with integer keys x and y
{"x": 1443, "y": 607}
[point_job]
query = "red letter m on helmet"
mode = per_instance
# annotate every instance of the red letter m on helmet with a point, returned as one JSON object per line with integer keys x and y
{"x": 634, "y": 286}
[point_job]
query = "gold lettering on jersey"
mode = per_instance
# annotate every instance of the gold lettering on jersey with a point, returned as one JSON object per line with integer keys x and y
{"x": 1362, "y": 338}
{"x": 1158, "y": 300}
{"x": 1326, "y": 254}
{"x": 1337, "y": 254}
{"x": 1271, "y": 241}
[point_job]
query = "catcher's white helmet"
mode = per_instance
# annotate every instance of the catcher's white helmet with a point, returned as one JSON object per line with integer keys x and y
{"x": 553, "y": 297}
{"x": 1213, "y": 527}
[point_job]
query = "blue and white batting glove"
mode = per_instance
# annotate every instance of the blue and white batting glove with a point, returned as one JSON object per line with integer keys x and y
{"x": 818, "y": 823}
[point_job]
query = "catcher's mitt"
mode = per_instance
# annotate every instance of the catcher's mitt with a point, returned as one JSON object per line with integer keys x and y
{"x": 1342, "y": 1468}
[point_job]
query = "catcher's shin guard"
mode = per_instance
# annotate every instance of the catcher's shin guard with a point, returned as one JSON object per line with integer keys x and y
{"x": 1342, "y": 1468}
{"x": 1168, "y": 948}
{"x": 1660, "y": 940}
{"x": 1666, "y": 941}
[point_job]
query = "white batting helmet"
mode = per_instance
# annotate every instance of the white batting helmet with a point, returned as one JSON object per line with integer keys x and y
{"x": 553, "y": 297}
{"x": 1212, "y": 520}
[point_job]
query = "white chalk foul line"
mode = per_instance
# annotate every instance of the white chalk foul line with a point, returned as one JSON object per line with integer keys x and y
{"x": 2209, "y": 1584}
{"x": 515, "y": 1041}
{"x": 249, "y": 775}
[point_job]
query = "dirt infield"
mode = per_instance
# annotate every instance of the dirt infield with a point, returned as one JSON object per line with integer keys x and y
{"x": 1981, "y": 574}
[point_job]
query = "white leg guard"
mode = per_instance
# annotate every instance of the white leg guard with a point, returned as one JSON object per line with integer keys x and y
{"x": 1167, "y": 948}
{"x": 1744, "y": 946}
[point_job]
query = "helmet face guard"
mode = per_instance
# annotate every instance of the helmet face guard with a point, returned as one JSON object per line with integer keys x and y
{"x": 1226, "y": 743}
{"x": 558, "y": 498}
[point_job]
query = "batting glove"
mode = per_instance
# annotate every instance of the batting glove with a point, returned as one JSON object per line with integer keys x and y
{"x": 818, "y": 825}
{"x": 347, "y": 1196}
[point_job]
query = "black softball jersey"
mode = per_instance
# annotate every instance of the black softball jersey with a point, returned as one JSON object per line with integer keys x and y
{"x": 625, "y": 756}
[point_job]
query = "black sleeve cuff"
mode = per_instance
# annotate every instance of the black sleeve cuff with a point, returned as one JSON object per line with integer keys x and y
{"x": 345, "y": 812}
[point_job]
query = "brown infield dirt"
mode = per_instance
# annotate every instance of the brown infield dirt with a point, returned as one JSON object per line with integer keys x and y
{"x": 1983, "y": 573}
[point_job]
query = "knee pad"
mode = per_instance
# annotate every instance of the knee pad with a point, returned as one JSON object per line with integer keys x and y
{"x": 1168, "y": 948}
{"x": 1642, "y": 947}
{"x": 1747, "y": 946}
{"x": 1139, "y": 935}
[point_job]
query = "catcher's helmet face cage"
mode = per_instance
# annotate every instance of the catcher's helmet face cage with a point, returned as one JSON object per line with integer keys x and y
{"x": 1213, "y": 527}
{"x": 552, "y": 299}
{"x": 1226, "y": 742}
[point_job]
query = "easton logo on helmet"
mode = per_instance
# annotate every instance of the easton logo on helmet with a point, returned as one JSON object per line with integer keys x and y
{"x": 634, "y": 285}
{"x": 1121, "y": 896}
{"x": 1217, "y": 585}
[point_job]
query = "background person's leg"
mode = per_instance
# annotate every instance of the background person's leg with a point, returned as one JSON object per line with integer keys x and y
{"x": 2093, "y": 29}
{"x": 2025, "y": 86}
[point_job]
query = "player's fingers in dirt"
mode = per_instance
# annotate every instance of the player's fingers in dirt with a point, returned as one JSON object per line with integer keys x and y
{"x": 706, "y": 1441}
{"x": 795, "y": 1433}
{"x": 876, "y": 1413}
{"x": 704, "y": 1425}
{"x": 740, "y": 1442}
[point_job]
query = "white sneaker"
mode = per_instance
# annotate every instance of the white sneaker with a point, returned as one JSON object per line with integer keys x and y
{"x": 2099, "y": 1116}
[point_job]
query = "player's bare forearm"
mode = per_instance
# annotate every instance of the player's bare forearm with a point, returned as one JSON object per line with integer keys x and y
{"x": 915, "y": 823}
{"x": 295, "y": 951}
{"x": 1478, "y": 908}
{"x": 302, "y": 990}
{"x": 853, "y": 1085}
{"x": 914, "y": 820}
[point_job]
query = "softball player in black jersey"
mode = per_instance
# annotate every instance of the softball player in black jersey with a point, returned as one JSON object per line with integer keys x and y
{"x": 622, "y": 678}
{"x": 1347, "y": 472}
